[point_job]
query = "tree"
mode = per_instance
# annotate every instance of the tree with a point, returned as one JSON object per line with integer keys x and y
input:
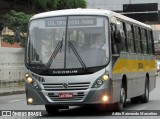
{"x": 18, "y": 23}
{"x": 47, "y": 5}
{"x": 57, "y": 4}
{"x": 69, "y": 4}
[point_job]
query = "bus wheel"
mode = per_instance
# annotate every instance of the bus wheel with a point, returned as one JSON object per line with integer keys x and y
{"x": 145, "y": 97}
{"x": 51, "y": 109}
{"x": 122, "y": 101}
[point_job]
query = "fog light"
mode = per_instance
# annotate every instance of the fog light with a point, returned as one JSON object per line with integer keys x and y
{"x": 30, "y": 100}
{"x": 105, "y": 98}
{"x": 105, "y": 77}
{"x": 29, "y": 80}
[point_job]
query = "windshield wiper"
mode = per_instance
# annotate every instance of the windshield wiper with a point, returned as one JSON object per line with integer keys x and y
{"x": 55, "y": 52}
{"x": 77, "y": 55}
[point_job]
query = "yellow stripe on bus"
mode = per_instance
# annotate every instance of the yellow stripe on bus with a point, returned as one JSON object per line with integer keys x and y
{"x": 132, "y": 66}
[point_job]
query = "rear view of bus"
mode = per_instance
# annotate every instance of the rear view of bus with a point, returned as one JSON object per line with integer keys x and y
{"x": 66, "y": 60}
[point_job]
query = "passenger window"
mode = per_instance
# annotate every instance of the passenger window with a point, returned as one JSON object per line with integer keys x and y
{"x": 144, "y": 41}
{"x": 120, "y": 27}
{"x": 114, "y": 45}
{"x": 138, "y": 40}
{"x": 130, "y": 38}
{"x": 150, "y": 42}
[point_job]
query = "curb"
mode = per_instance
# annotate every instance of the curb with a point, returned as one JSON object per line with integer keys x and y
{"x": 12, "y": 93}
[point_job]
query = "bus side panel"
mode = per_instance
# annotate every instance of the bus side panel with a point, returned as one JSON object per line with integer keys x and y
{"x": 120, "y": 69}
{"x": 132, "y": 77}
{"x": 152, "y": 76}
{"x": 116, "y": 85}
{"x": 135, "y": 68}
{"x": 139, "y": 79}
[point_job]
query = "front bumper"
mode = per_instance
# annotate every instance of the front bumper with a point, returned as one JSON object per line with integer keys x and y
{"x": 90, "y": 96}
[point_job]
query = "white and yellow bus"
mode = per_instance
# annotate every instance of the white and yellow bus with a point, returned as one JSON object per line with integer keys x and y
{"x": 88, "y": 56}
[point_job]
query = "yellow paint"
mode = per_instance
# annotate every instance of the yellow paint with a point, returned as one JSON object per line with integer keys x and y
{"x": 125, "y": 66}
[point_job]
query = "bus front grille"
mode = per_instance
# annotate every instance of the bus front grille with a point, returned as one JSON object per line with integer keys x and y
{"x": 78, "y": 96}
{"x": 66, "y": 86}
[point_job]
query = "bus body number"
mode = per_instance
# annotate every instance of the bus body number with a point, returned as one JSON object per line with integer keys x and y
{"x": 140, "y": 65}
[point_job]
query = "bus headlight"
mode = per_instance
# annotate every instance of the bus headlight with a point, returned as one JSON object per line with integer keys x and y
{"x": 105, "y": 77}
{"x": 97, "y": 83}
{"x": 29, "y": 80}
{"x": 32, "y": 81}
{"x": 35, "y": 84}
{"x": 100, "y": 81}
{"x": 27, "y": 75}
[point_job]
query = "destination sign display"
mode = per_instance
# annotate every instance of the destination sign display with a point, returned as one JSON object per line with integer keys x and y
{"x": 71, "y": 22}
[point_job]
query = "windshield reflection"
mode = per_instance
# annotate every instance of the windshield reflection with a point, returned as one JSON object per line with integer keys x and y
{"x": 53, "y": 46}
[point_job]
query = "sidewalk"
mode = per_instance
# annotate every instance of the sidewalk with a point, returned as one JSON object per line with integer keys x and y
{"x": 4, "y": 91}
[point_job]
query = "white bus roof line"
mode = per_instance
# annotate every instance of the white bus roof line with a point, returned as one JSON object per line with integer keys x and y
{"x": 78, "y": 11}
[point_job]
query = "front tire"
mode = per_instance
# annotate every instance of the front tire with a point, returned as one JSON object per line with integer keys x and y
{"x": 145, "y": 98}
{"x": 122, "y": 103}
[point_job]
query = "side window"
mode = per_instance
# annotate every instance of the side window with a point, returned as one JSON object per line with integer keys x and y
{"x": 113, "y": 44}
{"x": 144, "y": 41}
{"x": 138, "y": 40}
{"x": 130, "y": 38}
{"x": 120, "y": 27}
{"x": 150, "y": 43}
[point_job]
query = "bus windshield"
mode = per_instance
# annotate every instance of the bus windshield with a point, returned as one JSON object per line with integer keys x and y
{"x": 68, "y": 42}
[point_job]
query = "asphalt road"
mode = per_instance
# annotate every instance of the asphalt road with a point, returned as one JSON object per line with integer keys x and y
{"x": 18, "y": 102}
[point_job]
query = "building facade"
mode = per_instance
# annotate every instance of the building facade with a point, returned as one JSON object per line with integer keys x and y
{"x": 117, "y": 5}
{"x": 136, "y": 7}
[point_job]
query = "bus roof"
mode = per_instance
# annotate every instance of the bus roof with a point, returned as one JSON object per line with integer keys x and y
{"x": 80, "y": 11}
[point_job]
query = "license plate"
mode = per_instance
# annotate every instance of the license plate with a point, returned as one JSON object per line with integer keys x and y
{"x": 65, "y": 95}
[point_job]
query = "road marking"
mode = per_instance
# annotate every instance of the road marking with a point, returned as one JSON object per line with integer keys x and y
{"x": 139, "y": 109}
{"x": 16, "y": 100}
{"x": 135, "y": 110}
{"x": 142, "y": 108}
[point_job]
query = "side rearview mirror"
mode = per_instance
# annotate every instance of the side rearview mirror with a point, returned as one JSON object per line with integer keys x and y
{"x": 117, "y": 36}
